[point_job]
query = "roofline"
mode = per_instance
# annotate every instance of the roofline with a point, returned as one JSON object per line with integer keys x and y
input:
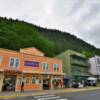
{"x": 29, "y": 54}
{"x": 32, "y": 47}
{"x": 68, "y": 50}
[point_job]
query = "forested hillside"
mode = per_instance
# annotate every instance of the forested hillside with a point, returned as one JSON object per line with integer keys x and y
{"x": 15, "y": 34}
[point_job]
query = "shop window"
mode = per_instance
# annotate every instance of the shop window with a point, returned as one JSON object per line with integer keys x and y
{"x": 40, "y": 81}
{"x": 14, "y": 62}
{"x": 36, "y": 81}
{"x": 33, "y": 81}
{"x": 56, "y": 67}
{"x": 19, "y": 81}
{"x": 27, "y": 80}
{"x": 45, "y": 66}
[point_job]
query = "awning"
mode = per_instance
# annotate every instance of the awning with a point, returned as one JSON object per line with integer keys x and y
{"x": 38, "y": 72}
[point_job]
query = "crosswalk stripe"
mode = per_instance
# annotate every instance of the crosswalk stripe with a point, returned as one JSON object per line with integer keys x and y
{"x": 49, "y": 98}
{"x": 62, "y": 99}
{"x": 44, "y": 96}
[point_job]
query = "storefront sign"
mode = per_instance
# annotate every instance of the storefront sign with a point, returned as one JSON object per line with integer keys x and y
{"x": 31, "y": 63}
{"x": 12, "y": 71}
{"x": 46, "y": 76}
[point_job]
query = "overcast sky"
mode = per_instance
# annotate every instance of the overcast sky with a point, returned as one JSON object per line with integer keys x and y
{"x": 79, "y": 17}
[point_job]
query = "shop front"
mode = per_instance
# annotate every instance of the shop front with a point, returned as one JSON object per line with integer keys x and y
{"x": 57, "y": 82}
{"x": 46, "y": 82}
{"x": 9, "y": 80}
{"x": 30, "y": 67}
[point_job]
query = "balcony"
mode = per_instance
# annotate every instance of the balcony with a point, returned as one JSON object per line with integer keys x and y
{"x": 79, "y": 62}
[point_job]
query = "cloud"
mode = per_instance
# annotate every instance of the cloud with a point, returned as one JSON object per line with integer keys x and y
{"x": 79, "y": 17}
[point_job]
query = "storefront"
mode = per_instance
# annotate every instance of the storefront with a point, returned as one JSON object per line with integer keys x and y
{"x": 29, "y": 66}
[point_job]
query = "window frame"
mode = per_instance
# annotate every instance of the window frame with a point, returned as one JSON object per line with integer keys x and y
{"x": 45, "y": 66}
{"x": 14, "y": 64}
{"x": 56, "y": 68}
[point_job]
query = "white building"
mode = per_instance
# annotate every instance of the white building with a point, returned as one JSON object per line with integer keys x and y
{"x": 95, "y": 66}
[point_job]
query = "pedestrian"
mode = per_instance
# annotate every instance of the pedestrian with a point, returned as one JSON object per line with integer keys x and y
{"x": 22, "y": 86}
{"x": 61, "y": 83}
{"x": 57, "y": 83}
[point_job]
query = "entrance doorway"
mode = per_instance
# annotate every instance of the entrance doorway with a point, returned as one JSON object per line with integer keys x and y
{"x": 46, "y": 84}
{"x": 9, "y": 83}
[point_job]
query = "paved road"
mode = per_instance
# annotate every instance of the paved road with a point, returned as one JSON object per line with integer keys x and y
{"x": 90, "y": 95}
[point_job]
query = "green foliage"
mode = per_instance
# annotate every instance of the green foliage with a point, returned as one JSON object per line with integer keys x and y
{"x": 16, "y": 34}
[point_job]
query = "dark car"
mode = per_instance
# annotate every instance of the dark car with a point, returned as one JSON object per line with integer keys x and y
{"x": 75, "y": 85}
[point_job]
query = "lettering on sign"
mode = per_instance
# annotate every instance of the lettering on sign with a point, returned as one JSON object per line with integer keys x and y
{"x": 31, "y": 63}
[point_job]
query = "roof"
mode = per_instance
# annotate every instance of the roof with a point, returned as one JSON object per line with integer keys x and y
{"x": 32, "y": 51}
{"x": 8, "y": 50}
{"x": 72, "y": 53}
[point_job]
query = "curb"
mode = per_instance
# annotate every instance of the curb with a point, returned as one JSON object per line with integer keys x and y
{"x": 44, "y": 93}
{"x": 20, "y": 95}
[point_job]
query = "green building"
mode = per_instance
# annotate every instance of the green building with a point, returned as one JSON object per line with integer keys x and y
{"x": 75, "y": 65}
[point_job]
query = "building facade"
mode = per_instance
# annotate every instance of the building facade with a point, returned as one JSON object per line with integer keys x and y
{"x": 30, "y": 66}
{"x": 75, "y": 65}
{"x": 95, "y": 66}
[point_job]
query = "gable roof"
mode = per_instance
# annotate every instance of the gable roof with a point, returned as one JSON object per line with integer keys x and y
{"x": 32, "y": 51}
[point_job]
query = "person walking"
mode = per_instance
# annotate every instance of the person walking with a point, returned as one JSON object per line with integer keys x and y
{"x": 22, "y": 86}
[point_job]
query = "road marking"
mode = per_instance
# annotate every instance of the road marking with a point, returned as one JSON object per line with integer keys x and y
{"x": 62, "y": 99}
{"x": 44, "y": 96}
{"x": 49, "y": 97}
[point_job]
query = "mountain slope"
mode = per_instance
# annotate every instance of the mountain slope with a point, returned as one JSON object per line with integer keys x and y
{"x": 16, "y": 34}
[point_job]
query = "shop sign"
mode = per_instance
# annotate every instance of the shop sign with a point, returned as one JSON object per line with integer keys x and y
{"x": 46, "y": 76}
{"x": 31, "y": 63}
{"x": 12, "y": 71}
{"x": 46, "y": 72}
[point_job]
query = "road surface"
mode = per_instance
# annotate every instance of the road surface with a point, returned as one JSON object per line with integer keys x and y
{"x": 87, "y": 95}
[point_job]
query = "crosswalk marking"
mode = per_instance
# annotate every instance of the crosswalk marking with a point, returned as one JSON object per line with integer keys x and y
{"x": 62, "y": 99}
{"x": 44, "y": 96}
{"x": 49, "y": 97}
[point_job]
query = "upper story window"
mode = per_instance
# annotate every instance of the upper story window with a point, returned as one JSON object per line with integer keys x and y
{"x": 14, "y": 62}
{"x": 1, "y": 59}
{"x": 56, "y": 67}
{"x": 17, "y": 62}
{"x": 45, "y": 66}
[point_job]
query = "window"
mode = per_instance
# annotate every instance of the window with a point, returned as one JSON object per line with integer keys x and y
{"x": 17, "y": 62}
{"x": 27, "y": 80}
{"x": 45, "y": 66}
{"x": 56, "y": 67}
{"x": 1, "y": 59}
{"x": 11, "y": 62}
{"x": 33, "y": 81}
{"x": 14, "y": 62}
{"x": 19, "y": 80}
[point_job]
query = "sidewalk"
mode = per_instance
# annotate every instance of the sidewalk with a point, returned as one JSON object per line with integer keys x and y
{"x": 8, "y": 95}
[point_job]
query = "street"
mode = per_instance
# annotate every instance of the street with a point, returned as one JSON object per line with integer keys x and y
{"x": 87, "y": 95}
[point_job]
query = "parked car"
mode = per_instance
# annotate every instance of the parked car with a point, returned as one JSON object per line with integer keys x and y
{"x": 77, "y": 85}
{"x": 92, "y": 81}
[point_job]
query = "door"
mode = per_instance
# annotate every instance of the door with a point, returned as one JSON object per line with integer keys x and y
{"x": 46, "y": 84}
